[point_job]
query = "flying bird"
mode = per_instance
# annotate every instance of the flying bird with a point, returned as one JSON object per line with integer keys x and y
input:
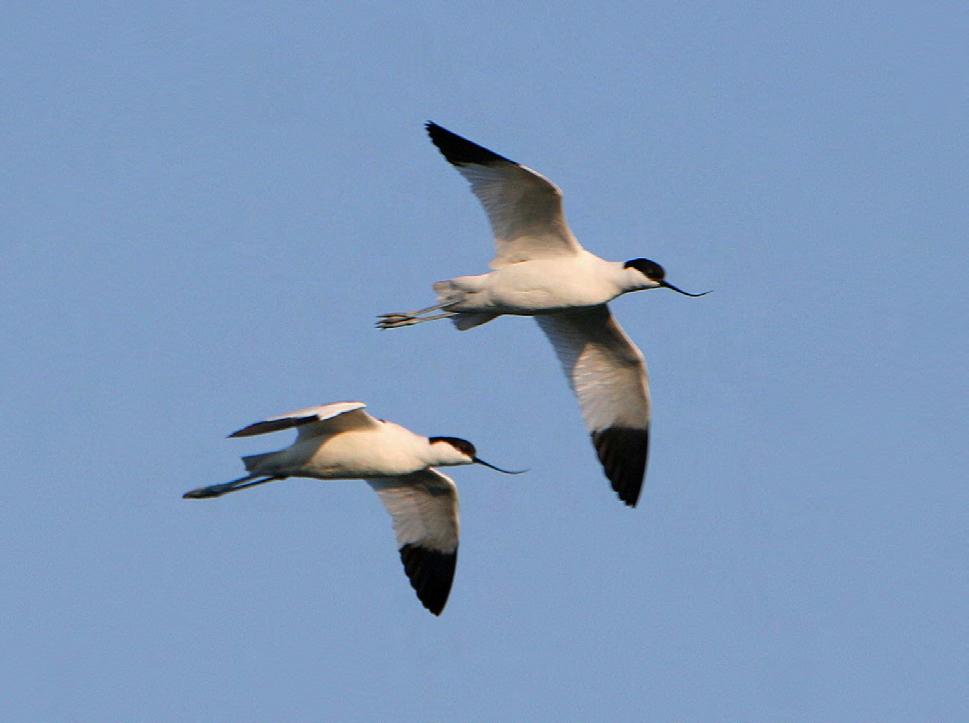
{"x": 342, "y": 441}
{"x": 542, "y": 270}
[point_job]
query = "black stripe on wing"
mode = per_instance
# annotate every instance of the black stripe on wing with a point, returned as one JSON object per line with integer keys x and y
{"x": 274, "y": 425}
{"x": 623, "y": 452}
{"x": 460, "y": 151}
{"x": 431, "y": 573}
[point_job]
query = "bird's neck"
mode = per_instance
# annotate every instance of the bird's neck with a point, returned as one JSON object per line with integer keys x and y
{"x": 627, "y": 278}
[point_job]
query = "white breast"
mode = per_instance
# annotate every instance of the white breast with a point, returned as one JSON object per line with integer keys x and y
{"x": 389, "y": 450}
{"x": 545, "y": 285}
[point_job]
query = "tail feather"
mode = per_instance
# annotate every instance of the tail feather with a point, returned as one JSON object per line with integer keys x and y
{"x": 450, "y": 294}
{"x": 254, "y": 461}
{"x": 447, "y": 292}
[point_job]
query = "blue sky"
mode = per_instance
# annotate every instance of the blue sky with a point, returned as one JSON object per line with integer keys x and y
{"x": 205, "y": 207}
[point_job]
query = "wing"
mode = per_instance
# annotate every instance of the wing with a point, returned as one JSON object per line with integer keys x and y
{"x": 424, "y": 507}
{"x": 608, "y": 375}
{"x": 524, "y": 207}
{"x": 311, "y": 421}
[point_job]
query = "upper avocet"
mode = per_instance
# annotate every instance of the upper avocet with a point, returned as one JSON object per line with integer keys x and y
{"x": 541, "y": 270}
{"x": 341, "y": 441}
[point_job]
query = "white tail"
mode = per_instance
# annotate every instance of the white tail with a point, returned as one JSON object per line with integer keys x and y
{"x": 254, "y": 461}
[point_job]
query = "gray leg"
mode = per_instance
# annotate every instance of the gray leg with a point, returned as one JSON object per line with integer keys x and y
{"x": 227, "y": 487}
{"x": 395, "y": 321}
{"x": 418, "y": 312}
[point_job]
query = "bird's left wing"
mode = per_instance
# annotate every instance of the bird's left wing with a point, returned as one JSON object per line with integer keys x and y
{"x": 424, "y": 508}
{"x": 328, "y": 419}
{"x": 607, "y": 372}
{"x": 524, "y": 207}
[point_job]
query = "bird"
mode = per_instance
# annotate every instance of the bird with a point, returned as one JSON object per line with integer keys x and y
{"x": 542, "y": 270}
{"x": 342, "y": 441}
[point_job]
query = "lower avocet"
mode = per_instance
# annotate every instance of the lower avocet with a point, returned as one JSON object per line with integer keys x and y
{"x": 342, "y": 441}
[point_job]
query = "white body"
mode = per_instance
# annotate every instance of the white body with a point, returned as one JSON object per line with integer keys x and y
{"x": 384, "y": 449}
{"x": 541, "y": 286}
{"x": 342, "y": 441}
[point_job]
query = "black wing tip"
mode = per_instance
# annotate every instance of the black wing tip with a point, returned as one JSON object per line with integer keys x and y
{"x": 430, "y": 573}
{"x": 460, "y": 151}
{"x": 623, "y": 452}
{"x": 273, "y": 426}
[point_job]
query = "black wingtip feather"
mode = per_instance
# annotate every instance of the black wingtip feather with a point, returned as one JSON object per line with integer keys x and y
{"x": 623, "y": 452}
{"x": 431, "y": 574}
{"x": 460, "y": 151}
{"x": 274, "y": 425}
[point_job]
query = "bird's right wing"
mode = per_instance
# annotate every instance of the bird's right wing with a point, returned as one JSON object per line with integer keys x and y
{"x": 524, "y": 207}
{"x": 607, "y": 372}
{"x": 311, "y": 421}
{"x": 424, "y": 508}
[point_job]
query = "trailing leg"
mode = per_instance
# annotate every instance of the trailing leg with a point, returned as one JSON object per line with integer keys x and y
{"x": 395, "y": 321}
{"x": 237, "y": 484}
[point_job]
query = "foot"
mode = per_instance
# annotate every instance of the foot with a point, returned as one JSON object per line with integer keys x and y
{"x": 205, "y": 492}
{"x": 394, "y": 321}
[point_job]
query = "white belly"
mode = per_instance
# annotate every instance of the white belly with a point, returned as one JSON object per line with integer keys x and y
{"x": 388, "y": 452}
{"x": 539, "y": 286}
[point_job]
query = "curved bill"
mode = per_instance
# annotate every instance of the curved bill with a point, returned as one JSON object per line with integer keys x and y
{"x": 668, "y": 285}
{"x": 478, "y": 460}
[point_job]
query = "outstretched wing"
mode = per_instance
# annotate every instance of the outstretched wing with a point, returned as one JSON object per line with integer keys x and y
{"x": 608, "y": 375}
{"x": 311, "y": 421}
{"x": 424, "y": 508}
{"x": 524, "y": 207}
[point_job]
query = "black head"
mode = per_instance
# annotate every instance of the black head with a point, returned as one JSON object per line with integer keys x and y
{"x": 650, "y": 269}
{"x": 461, "y": 445}
{"x": 465, "y": 447}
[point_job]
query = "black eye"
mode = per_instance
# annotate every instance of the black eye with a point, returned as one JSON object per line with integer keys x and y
{"x": 650, "y": 269}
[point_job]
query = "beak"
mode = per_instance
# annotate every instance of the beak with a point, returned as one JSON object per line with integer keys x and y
{"x": 478, "y": 460}
{"x": 668, "y": 285}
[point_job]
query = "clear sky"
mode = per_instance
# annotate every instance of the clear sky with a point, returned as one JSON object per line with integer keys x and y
{"x": 205, "y": 205}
